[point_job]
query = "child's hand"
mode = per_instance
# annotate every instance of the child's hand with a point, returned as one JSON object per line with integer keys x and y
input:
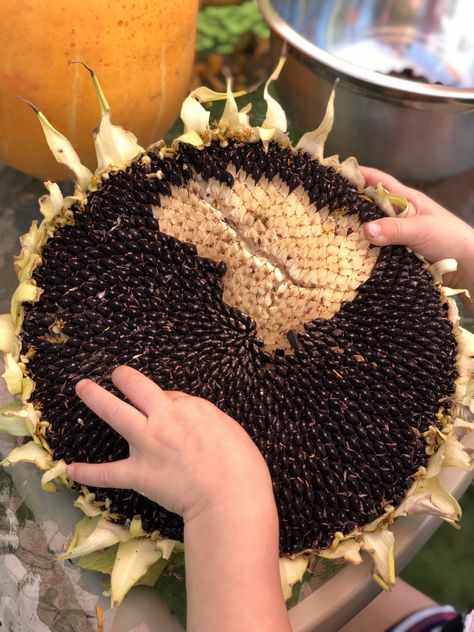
{"x": 194, "y": 460}
{"x": 428, "y": 229}
{"x": 185, "y": 453}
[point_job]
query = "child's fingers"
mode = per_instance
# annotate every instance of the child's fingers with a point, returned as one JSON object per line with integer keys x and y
{"x": 374, "y": 176}
{"x": 115, "y": 474}
{"x": 393, "y": 230}
{"x": 122, "y": 417}
{"x": 174, "y": 395}
{"x": 142, "y": 392}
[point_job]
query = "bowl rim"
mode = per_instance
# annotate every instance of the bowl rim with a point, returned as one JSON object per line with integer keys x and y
{"x": 354, "y": 71}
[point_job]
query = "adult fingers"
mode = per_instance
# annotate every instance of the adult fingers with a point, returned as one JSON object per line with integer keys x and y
{"x": 141, "y": 391}
{"x": 122, "y": 417}
{"x": 115, "y": 474}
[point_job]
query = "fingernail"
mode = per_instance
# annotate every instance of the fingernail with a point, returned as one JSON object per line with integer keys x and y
{"x": 70, "y": 470}
{"x": 79, "y": 384}
{"x": 411, "y": 210}
{"x": 373, "y": 230}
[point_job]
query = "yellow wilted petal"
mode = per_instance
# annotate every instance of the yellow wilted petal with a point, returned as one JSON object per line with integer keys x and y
{"x": 456, "y": 455}
{"x": 380, "y": 546}
{"x": 231, "y": 118}
{"x": 8, "y": 340}
{"x": 63, "y": 151}
{"x": 435, "y": 463}
{"x": 26, "y": 267}
{"x": 459, "y": 422}
{"x": 244, "y": 119}
{"x": 348, "y": 550}
{"x": 83, "y": 530}
{"x": 466, "y": 342}
{"x": 13, "y": 375}
{"x": 266, "y": 134}
{"x": 133, "y": 560}
{"x": 349, "y": 169}
{"x": 13, "y": 419}
{"x": 430, "y": 497}
{"x": 105, "y": 534}
{"x": 448, "y": 507}
{"x": 71, "y": 200}
{"x": 391, "y": 203}
{"x": 313, "y": 142}
{"x": 86, "y": 505}
{"x": 32, "y": 240}
{"x": 27, "y": 387}
{"x": 104, "y": 106}
{"x": 167, "y": 547}
{"x": 31, "y": 452}
{"x": 114, "y": 146}
{"x": 30, "y": 244}
{"x": 442, "y": 267}
{"x": 449, "y": 291}
{"x": 136, "y": 529}
{"x": 25, "y": 292}
{"x": 275, "y": 117}
{"x": 51, "y": 205}
{"x": 291, "y": 572}
{"x": 190, "y": 138}
{"x": 58, "y": 471}
{"x": 194, "y": 116}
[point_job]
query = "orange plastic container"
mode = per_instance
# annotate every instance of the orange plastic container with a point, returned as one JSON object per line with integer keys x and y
{"x": 142, "y": 53}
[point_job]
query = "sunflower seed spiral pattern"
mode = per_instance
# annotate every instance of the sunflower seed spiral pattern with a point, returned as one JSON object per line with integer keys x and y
{"x": 336, "y": 398}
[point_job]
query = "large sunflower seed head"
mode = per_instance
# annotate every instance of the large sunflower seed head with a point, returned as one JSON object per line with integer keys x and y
{"x": 233, "y": 267}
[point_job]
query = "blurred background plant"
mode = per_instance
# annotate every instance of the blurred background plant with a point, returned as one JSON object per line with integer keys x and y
{"x": 232, "y": 38}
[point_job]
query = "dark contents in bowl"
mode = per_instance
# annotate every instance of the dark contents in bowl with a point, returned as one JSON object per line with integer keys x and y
{"x": 409, "y": 73}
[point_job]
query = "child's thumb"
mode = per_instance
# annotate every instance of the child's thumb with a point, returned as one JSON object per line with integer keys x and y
{"x": 393, "y": 230}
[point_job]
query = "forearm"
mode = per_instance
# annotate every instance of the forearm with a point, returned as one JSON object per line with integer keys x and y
{"x": 232, "y": 568}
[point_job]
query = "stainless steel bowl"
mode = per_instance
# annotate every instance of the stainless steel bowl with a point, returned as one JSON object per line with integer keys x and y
{"x": 418, "y": 131}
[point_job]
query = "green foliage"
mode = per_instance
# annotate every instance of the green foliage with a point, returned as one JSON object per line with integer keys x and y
{"x": 295, "y": 595}
{"x": 24, "y": 513}
{"x": 255, "y": 97}
{"x": 216, "y": 108}
{"x": 443, "y": 569}
{"x": 171, "y": 586}
{"x": 101, "y": 561}
{"x": 257, "y": 113}
{"x": 221, "y": 29}
{"x": 6, "y": 483}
